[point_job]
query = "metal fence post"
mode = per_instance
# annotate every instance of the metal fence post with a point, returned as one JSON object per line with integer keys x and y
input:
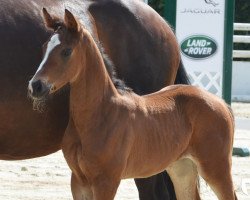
{"x": 170, "y": 12}
{"x": 228, "y": 49}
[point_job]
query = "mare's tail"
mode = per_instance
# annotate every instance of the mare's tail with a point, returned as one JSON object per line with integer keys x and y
{"x": 182, "y": 77}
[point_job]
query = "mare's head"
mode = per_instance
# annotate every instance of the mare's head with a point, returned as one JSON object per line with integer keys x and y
{"x": 63, "y": 55}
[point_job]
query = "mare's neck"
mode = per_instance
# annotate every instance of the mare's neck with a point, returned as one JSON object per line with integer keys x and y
{"x": 92, "y": 90}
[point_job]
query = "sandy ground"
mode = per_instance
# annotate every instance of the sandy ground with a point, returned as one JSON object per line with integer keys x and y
{"x": 241, "y": 109}
{"x": 48, "y": 178}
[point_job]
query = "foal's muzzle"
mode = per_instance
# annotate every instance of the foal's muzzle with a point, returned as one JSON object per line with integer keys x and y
{"x": 38, "y": 89}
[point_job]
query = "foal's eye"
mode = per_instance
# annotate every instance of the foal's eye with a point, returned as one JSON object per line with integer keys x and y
{"x": 66, "y": 52}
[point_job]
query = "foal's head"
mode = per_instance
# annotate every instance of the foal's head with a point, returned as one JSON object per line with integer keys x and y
{"x": 62, "y": 57}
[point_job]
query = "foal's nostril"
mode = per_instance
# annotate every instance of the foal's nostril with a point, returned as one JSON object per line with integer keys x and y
{"x": 37, "y": 86}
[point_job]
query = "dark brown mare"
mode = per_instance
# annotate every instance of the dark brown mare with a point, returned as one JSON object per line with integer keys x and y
{"x": 115, "y": 134}
{"x": 141, "y": 45}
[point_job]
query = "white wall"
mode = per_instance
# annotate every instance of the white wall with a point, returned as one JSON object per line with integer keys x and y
{"x": 241, "y": 81}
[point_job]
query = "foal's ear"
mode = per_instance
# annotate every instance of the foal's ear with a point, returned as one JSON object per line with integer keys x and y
{"x": 70, "y": 21}
{"x": 50, "y": 22}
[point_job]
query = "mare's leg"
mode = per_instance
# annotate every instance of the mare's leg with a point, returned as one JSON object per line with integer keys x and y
{"x": 184, "y": 175}
{"x": 217, "y": 173}
{"x": 80, "y": 191}
{"x": 105, "y": 188}
{"x": 158, "y": 187}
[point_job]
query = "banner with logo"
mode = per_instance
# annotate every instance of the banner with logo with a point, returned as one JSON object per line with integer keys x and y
{"x": 200, "y": 32}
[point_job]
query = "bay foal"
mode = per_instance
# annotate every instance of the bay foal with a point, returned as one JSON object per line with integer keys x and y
{"x": 181, "y": 129}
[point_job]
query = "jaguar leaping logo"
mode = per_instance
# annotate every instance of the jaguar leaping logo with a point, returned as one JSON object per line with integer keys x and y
{"x": 212, "y": 2}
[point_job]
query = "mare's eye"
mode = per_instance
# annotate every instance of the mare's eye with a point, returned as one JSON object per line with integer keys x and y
{"x": 66, "y": 52}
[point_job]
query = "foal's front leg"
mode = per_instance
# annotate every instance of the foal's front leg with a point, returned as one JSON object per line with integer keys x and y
{"x": 105, "y": 189}
{"x": 80, "y": 191}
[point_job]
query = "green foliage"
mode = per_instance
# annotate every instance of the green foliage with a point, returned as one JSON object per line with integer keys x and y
{"x": 158, "y": 5}
{"x": 242, "y": 11}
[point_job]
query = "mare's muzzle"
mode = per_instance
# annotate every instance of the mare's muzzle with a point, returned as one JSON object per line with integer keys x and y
{"x": 38, "y": 89}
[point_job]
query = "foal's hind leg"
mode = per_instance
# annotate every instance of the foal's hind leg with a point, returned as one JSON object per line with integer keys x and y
{"x": 185, "y": 177}
{"x": 79, "y": 191}
{"x": 217, "y": 174}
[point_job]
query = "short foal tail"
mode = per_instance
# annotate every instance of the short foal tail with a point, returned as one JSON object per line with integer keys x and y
{"x": 233, "y": 121}
{"x": 182, "y": 77}
{"x": 235, "y": 197}
{"x": 231, "y": 115}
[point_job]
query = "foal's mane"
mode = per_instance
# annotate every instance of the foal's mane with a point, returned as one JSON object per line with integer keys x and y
{"x": 118, "y": 83}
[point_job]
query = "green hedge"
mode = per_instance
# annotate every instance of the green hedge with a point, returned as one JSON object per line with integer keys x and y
{"x": 242, "y": 11}
{"x": 158, "y": 5}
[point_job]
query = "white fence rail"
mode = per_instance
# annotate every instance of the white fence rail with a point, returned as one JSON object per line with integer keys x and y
{"x": 241, "y": 27}
{"x": 241, "y": 39}
{"x": 241, "y": 69}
